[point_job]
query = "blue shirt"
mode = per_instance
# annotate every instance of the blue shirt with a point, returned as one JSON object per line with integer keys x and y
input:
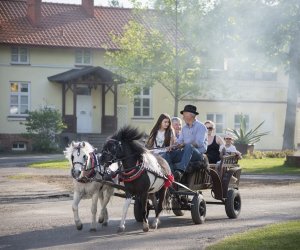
{"x": 195, "y": 134}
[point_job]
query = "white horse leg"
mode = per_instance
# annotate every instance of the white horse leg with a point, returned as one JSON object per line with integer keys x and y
{"x": 125, "y": 209}
{"x": 104, "y": 197}
{"x": 94, "y": 211}
{"x": 76, "y": 200}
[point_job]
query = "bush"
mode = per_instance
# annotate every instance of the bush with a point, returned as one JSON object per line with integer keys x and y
{"x": 268, "y": 154}
{"x": 42, "y": 125}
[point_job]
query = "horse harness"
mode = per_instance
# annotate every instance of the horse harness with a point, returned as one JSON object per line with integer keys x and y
{"x": 88, "y": 174}
{"x": 131, "y": 174}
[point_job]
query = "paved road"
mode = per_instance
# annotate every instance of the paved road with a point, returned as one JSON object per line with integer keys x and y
{"x": 22, "y": 160}
{"x": 37, "y": 222}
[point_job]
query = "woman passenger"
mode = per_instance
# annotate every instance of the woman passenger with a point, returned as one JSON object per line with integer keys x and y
{"x": 214, "y": 143}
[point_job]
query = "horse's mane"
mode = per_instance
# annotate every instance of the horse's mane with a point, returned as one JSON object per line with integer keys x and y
{"x": 130, "y": 135}
{"x": 88, "y": 148}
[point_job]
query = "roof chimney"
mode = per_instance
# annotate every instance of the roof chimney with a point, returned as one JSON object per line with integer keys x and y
{"x": 34, "y": 11}
{"x": 88, "y": 6}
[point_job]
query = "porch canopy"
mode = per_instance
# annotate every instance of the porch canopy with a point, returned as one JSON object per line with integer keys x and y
{"x": 92, "y": 77}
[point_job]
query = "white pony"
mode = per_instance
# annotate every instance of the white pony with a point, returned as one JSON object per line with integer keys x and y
{"x": 84, "y": 170}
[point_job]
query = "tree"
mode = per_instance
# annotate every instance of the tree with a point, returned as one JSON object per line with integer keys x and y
{"x": 114, "y": 3}
{"x": 147, "y": 57}
{"x": 42, "y": 126}
{"x": 275, "y": 32}
{"x": 258, "y": 33}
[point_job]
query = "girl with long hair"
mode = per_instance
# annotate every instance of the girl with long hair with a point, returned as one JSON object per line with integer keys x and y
{"x": 162, "y": 136}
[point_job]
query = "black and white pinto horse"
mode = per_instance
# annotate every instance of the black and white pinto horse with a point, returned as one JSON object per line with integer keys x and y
{"x": 142, "y": 172}
{"x": 84, "y": 169}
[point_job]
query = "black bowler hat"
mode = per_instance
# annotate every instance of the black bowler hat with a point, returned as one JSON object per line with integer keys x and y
{"x": 190, "y": 108}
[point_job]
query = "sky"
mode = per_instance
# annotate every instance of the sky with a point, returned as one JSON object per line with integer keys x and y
{"x": 123, "y": 3}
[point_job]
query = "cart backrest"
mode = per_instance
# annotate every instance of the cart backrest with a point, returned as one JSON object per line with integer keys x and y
{"x": 201, "y": 178}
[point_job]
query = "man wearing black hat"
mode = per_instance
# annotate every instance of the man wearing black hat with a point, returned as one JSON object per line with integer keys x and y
{"x": 193, "y": 138}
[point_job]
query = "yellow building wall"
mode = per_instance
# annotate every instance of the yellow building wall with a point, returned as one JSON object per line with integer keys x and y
{"x": 43, "y": 62}
{"x": 258, "y": 99}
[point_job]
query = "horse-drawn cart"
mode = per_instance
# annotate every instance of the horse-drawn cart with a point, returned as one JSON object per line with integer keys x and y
{"x": 223, "y": 181}
{"x": 148, "y": 176}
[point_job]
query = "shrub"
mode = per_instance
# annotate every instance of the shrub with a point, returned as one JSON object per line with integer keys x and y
{"x": 42, "y": 125}
{"x": 268, "y": 154}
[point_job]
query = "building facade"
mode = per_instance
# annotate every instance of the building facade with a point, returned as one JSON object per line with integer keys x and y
{"x": 53, "y": 55}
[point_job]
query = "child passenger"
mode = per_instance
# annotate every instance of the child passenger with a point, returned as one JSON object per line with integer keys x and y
{"x": 228, "y": 148}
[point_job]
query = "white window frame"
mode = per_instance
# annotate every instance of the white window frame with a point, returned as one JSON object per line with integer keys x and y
{"x": 19, "y": 147}
{"x": 82, "y": 53}
{"x": 237, "y": 124}
{"x": 19, "y": 54}
{"x": 19, "y": 95}
{"x": 143, "y": 96}
{"x": 214, "y": 119}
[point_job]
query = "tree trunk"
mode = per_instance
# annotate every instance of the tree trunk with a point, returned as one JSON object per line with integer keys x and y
{"x": 292, "y": 95}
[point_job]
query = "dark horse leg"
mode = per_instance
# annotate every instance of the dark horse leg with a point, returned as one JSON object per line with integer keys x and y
{"x": 144, "y": 201}
{"x": 159, "y": 208}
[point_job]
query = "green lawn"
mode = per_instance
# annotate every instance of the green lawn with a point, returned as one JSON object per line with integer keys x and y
{"x": 251, "y": 166}
{"x": 267, "y": 166}
{"x": 283, "y": 236}
{"x": 63, "y": 164}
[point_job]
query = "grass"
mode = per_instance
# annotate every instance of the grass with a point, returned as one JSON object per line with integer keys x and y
{"x": 267, "y": 166}
{"x": 250, "y": 166}
{"x": 282, "y": 236}
{"x": 54, "y": 164}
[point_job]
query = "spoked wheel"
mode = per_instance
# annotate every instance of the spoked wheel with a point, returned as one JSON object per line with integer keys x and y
{"x": 176, "y": 207}
{"x": 138, "y": 213}
{"x": 198, "y": 209}
{"x": 233, "y": 203}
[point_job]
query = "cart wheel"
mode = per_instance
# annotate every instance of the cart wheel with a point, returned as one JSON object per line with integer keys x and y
{"x": 137, "y": 209}
{"x": 176, "y": 207}
{"x": 233, "y": 203}
{"x": 198, "y": 209}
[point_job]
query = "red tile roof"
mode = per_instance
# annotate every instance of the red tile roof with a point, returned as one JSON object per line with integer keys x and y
{"x": 63, "y": 25}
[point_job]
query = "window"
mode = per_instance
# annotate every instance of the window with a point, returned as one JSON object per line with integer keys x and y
{"x": 142, "y": 101}
{"x": 237, "y": 120}
{"x": 83, "y": 57}
{"x": 83, "y": 90}
{"x": 19, "y": 146}
{"x": 19, "y": 55}
{"x": 19, "y": 98}
{"x": 218, "y": 119}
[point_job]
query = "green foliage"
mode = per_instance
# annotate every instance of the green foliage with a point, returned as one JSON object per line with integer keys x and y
{"x": 267, "y": 166}
{"x": 42, "y": 126}
{"x": 276, "y": 236}
{"x": 244, "y": 136}
{"x": 148, "y": 57}
{"x": 268, "y": 154}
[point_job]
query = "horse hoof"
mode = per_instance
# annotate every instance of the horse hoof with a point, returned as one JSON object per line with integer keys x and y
{"x": 100, "y": 220}
{"x": 104, "y": 224}
{"x": 79, "y": 227}
{"x": 121, "y": 229}
{"x": 93, "y": 230}
{"x": 155, "y": 224}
